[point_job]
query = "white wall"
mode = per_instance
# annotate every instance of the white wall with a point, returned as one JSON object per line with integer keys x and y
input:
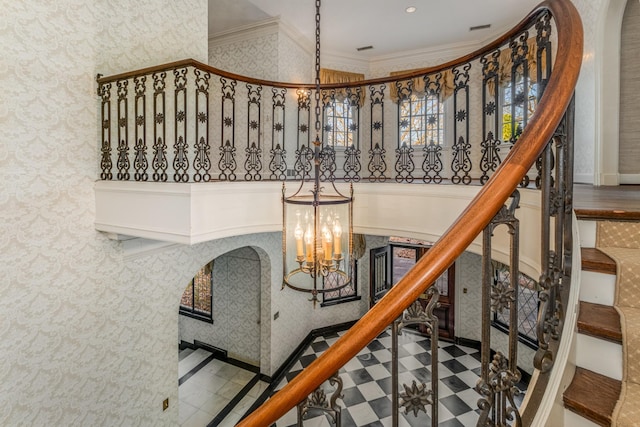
{"x": 236, "y": 307}
{"x": 86, "y": 337}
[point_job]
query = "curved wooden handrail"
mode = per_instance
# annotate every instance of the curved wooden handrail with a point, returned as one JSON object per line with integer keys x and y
{"x": 469, "y": 224}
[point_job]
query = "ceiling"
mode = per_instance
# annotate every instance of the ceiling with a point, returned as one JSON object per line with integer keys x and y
{"x": 383, "y": 24}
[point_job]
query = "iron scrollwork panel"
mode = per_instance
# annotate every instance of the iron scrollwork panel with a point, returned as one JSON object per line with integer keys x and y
{"x": 278, "y": 154}
{"x": 180, "y": 146}
{"x": 227, "y": 163}
{"x": 253, "y": 161}
{"x": 160, "y": 163}
{"x": 202, "y": 147}
{"x": 140, "y": 163}
{"x": 106, "y": 164}
{"x": 377, "y": 165}
{"x": 417, "y": 396}
{"x": 123, "y": 132}
{"x": 317, "y": 401}
{"x": 461, "y": 150}
{"x": 500, "y": 374}
{"x": 304, "y": 154}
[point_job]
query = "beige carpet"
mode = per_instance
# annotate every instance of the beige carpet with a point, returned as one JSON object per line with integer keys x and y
{"x": 621, "y": 241}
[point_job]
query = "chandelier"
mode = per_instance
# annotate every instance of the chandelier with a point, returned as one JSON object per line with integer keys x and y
{"x": 317, "y": 234}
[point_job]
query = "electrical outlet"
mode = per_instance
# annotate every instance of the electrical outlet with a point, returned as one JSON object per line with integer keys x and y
{"x": 464, "y": 290}
{"x": 165, "y": 404}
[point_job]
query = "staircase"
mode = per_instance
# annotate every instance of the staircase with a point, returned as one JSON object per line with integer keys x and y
{"x": 591, "y": 397}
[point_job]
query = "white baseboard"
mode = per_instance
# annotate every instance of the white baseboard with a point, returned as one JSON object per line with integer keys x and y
{"x": 583, "y": 178}
{"x": 609, "y": 179}
{"x": 630, "y": 178}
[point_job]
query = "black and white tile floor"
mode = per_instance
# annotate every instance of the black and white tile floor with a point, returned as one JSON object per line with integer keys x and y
{"x": 367, "y": 382}
{"x": 215, "y": 393}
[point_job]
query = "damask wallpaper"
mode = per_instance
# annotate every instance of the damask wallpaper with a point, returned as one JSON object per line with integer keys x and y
{"x": 236, "y": 307}
{"x": 87, "y": 335}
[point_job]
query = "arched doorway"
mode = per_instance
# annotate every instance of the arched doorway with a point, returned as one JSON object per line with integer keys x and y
{"x": 220, "y": 358}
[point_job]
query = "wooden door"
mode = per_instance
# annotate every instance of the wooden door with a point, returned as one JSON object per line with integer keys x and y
{"x": 403, "y": 257}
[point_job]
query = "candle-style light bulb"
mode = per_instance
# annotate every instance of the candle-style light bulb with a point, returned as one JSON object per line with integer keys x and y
{"x": 326, "y": 243}
{"x": 308, "y": 239}
{"x": 337, "y": 234}
{"x": 298, "y": 233}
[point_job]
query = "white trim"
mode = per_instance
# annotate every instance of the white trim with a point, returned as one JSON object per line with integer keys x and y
{"x": 629, "y": 178}
{"x": 246, "y": 32}
{"x": 583, "y": 178}
{"x": 557, "y": 380}
{"x": 607, "y": 93}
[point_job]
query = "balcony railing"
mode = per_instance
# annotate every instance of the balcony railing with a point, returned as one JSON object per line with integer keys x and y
{"x": 501, "y": 117}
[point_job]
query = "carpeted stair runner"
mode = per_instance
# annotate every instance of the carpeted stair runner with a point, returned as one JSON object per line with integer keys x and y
{"x": 621, "y": 241}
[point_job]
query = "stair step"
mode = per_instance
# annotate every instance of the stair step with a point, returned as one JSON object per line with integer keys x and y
{"x": 608, "y": 214}
{"x": 594, "y": 259}
{"x": 581, "y": 399}
{"x": 598, "y": 288}
{"x": 600, "y": 321}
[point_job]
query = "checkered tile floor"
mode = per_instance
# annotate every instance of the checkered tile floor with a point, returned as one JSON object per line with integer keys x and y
{"x": 367, "y": 382}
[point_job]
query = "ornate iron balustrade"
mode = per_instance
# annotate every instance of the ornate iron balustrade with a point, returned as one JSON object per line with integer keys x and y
{"x": 193, "y": 123}
{"x": 189, "y": 122}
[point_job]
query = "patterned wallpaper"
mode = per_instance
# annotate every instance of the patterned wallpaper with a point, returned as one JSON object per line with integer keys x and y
{"x": 236, "y": 308}
{"x": 87, "y": 336}
{"x": 255, "y": 57}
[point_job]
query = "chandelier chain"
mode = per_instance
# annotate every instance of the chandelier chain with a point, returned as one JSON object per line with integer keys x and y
{"x": 317, "y": 94}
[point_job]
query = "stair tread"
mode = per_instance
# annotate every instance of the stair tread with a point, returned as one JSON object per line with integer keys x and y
{"x": 608, "y": 214}
{"x": 581, "y": 398}
{"x": 600, "y": 321}
{"x": 593, "y": 259}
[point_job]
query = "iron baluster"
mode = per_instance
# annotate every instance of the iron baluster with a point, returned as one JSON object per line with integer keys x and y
{"x": 227, "y": 163}
{"x": 499, "y": 376}
{"x": 160, "y": 163}
{"x": 180, "y": 146}
{"x": 404, "y": 152}
{"x": 461, "y": 163}
{"x": 377, "y": 165}
{"x": 123, "y": 132}
{"x": 202, "y": 148}
{"x": 106, "y": 165}
{"x": 432, "y": 150}
{"x": 140, "y": 162}
{"x": 304, "y": 154}
{"x": 278, "y": 163}
{"x": 491, "y": 116}
{"x": 253, "y": 161}
{"x": 352, "y": 153}
{"x": 416, "y": 397}
{"x": 318, "y": 401}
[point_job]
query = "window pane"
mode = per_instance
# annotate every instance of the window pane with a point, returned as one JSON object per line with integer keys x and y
{"x": 403, "y": 260}
{"x": 202, "y": 291}
{"x": 421, "y": 121}
{"x": 187, "y": 297}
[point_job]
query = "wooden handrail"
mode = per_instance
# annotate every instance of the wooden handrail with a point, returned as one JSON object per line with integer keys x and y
{"x": 469, "y": 224}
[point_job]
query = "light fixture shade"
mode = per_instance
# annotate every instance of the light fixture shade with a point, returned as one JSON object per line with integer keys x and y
{"x": 317, "y": 241}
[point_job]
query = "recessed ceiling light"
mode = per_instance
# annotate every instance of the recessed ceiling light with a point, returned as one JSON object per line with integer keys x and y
{"x": 410, "y": 9}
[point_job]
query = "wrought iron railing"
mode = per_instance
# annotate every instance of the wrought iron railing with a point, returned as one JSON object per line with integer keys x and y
{"x": 189, "y": 122}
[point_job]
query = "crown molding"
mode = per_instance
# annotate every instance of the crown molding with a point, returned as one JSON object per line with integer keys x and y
{"x": 246, "y": 32}
{"x": 263, "y": 28}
